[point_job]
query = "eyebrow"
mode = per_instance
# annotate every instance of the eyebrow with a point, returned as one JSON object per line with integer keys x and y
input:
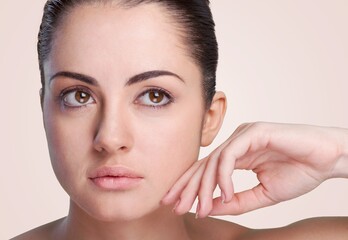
{"x": 135, "y": 79}
{"x": 151, "y": 74}
{"x": 77, "y": 76}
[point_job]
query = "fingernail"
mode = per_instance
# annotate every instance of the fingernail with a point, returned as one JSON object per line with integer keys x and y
{"x": 197, "y": 211}
{"x": 176, "y": 205}
{"x": 223, "y": 197}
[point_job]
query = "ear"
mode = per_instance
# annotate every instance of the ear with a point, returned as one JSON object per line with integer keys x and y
{"x": 213, "y": 118}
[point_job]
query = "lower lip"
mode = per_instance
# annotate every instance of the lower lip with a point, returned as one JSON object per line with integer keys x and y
{"x": 116, "y": 183}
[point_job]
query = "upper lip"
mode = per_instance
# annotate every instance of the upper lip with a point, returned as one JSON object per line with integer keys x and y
{"x": 114, "y": 171}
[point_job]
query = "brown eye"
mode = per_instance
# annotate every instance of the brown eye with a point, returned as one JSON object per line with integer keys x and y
{"x": 77, "y": 98}
{"x": 156, "y": 96}
{"x": 82, "y": 97}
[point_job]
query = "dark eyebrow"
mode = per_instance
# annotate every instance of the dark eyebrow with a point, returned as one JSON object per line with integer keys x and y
{"x": 151, "y": 74}
{"x": 135, "y": 79}
{"x": 77, "y": 76}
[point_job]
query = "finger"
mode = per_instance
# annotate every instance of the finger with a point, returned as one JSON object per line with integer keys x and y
{"x": 232, "y": 157}
{"x": 240, "y": 129}
{"x": 243, "y": 202}
{"x": 173, "y": 194}
{"x": 209, "y": 182}
{"x": 190, "y": 192}
{"x": 207, "y": 187}
{"x": 226, "y": 162}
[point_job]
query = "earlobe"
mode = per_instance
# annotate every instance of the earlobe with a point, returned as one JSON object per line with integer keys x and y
{"x": 213, "y": 119}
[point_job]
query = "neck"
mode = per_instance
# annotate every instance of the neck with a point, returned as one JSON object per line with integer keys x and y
{"x": 160, "y": 224}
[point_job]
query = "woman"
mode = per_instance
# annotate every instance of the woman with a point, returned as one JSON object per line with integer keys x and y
{"x": 125, "y": 81}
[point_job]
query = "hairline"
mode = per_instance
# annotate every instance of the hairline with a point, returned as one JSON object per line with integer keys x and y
{"x": 180, "y": 31}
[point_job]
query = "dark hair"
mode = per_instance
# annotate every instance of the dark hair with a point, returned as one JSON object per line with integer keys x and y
{"x": 193, "y": 17}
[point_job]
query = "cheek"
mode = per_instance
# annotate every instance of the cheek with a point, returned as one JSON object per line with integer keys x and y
{"x": 171, "y": 146}
{"x": 69, "y": 141}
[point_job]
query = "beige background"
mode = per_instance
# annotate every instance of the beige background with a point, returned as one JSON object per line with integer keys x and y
{"x": 281, "y": 61}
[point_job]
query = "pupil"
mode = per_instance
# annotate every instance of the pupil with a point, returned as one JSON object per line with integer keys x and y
{"x": 156, "y": 97}
{"x": 81, "y": 97}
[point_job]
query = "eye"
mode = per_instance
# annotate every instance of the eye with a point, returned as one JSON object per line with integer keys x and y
{"x": 77, "y": 98}
{"x": 154, "y": 98}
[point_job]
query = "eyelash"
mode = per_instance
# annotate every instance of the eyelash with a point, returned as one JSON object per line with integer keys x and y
{"x": 166, "y": 93}
{"x": 67, "y": 91}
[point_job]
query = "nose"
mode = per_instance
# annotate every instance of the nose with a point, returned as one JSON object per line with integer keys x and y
{"x": 113, "y": 132}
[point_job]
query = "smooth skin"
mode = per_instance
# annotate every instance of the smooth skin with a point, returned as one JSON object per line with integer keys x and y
{"x": 289, "y": 161}
{"x": 321, "y": 154}
{"x": 113, "y": 122}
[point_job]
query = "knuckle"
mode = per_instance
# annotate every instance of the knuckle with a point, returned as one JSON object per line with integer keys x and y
{"x": 243, "y": 125}
{"x": 224, "y": 154}
{"x": 260, "y": 126}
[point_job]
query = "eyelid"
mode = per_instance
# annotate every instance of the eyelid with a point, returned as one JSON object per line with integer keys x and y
{"x": 149, "y": 89}
{"x": 72, "y": 89}
{"x": 170, "y": 97}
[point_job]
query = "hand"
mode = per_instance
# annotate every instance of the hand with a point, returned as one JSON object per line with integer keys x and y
{"x": 289, "y": 160}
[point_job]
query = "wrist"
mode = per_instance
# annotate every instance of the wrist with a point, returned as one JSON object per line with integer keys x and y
{"x": 341, "y": 167}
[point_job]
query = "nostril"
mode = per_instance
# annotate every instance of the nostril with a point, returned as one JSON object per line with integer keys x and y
{"x": 99, "y": 149}
{"x": 110, "y": 141}
{"x": 123, "y": 148}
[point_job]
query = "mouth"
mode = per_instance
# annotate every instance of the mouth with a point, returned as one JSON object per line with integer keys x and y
{"x": 116, "y": 178}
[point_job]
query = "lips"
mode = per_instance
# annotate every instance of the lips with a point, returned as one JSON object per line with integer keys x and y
{"x": 115, "y": 178}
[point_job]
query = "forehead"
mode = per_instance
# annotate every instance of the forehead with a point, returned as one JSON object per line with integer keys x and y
{"x": 105, "y": 37}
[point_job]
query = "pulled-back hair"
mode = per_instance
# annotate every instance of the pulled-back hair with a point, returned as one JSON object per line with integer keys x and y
{"x": 193, "y": 17}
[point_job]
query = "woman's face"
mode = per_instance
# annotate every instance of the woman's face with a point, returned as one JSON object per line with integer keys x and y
{"x": 123, "y": 108}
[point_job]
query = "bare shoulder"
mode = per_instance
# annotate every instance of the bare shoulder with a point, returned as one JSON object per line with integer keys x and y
{"x": 212, "y": 228}
{"x": 321, "y": 228}
{"x": 47, "y": 231}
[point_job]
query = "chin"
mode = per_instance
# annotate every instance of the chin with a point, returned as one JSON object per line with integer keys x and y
{"x": 115, "y": 209}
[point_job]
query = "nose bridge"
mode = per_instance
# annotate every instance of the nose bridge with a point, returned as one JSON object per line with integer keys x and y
{"x": 113, "y": 129}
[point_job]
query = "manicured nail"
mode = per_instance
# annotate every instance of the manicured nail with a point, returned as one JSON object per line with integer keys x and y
{"x": 197, "y": 211}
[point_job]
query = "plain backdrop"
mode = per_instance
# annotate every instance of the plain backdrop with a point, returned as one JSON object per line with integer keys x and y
{"x": 280, "y": 61}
